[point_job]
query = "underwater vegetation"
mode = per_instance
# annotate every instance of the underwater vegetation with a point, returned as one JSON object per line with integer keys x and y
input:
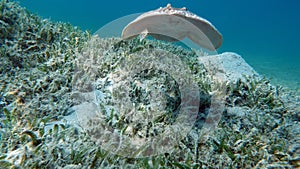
{"x": 259, "y": 127}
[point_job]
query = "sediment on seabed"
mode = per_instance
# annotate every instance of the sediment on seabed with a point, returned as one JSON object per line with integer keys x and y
{"x": 259, "y": 127}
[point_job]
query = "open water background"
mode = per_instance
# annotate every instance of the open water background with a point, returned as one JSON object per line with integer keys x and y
{"x": 264, "y": 32}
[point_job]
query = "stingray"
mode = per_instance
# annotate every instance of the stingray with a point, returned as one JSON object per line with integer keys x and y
{"x": 174, "y": 24}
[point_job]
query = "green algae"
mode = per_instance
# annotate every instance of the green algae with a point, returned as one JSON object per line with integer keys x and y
{"x": 258, "y": 128}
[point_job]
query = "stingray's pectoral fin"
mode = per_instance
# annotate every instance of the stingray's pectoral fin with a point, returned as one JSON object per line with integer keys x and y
{"x": 143, "y": 34}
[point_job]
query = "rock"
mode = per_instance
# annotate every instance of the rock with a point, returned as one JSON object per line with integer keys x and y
{"x": 227, "y": 67}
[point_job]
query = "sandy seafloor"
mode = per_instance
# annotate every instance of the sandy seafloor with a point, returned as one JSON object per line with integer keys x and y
{"x": 259, "y": 129}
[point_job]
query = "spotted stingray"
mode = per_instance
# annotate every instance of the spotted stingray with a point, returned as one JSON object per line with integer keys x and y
{"x": 174, "y": 24}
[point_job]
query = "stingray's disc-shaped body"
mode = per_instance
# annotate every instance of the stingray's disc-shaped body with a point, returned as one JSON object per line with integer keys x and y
{"x": 174, "y": 24}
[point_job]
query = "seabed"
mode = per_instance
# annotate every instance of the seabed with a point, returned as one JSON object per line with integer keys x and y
{"x": 258, "y": 128}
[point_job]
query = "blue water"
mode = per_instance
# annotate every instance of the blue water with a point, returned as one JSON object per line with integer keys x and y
{"x": 264, "y": 33}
